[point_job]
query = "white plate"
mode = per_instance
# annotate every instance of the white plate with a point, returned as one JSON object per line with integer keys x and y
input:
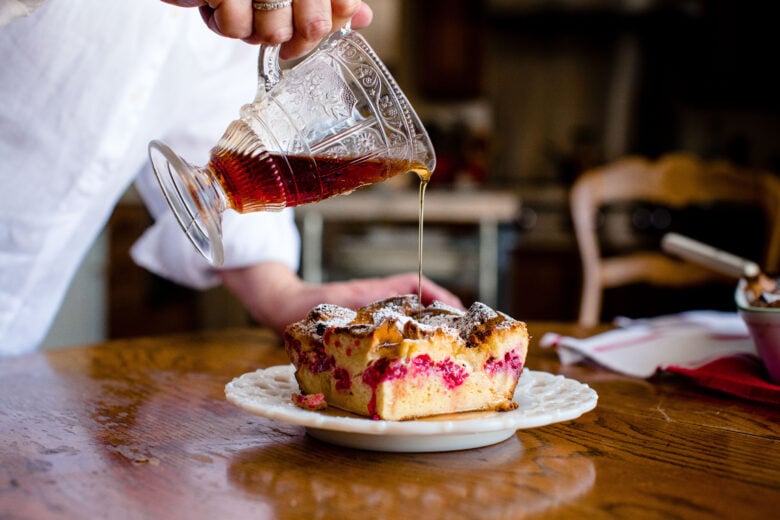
{"x": 543, "y": 399}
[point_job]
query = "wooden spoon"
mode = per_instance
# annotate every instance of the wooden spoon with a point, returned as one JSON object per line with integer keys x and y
{"x": 720, "y": 261}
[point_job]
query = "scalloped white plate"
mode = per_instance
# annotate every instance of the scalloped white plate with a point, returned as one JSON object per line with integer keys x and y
{"x": 543, "y": 399}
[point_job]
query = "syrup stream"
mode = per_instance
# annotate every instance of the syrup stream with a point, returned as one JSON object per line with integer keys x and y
{"x": 424, "y": 176}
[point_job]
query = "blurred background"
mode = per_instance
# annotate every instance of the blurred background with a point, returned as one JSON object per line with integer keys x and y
{"x": 520, "y": 97}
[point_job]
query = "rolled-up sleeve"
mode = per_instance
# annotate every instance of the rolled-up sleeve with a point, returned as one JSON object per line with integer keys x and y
{"x": 205, "y": 63}
{"x": 249, "y": 239}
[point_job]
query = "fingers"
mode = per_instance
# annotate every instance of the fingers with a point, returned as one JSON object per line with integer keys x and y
{"x": 407, "y": 283}
{"x": 239, "y": 19}
{"x": 363, "y": 16}
{"x": 342, "y": 11}
{"x": 299, "y": 27}
{"x": 230, "y": 18}
{"x": 315, "y": 19}
{"x": 432, "y": 292}
{"x": 272, "y": 26}
{"x": 312, "y": 21}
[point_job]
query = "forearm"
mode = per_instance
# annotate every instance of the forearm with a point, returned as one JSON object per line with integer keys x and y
{"x": 271, "y": 292}
{"x": 275, "y": 296}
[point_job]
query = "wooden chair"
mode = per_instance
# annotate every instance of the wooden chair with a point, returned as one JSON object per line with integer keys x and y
{"x": 675, "y": 180}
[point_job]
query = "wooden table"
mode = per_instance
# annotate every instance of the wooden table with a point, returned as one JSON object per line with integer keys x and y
{"x": 141, "y": 429}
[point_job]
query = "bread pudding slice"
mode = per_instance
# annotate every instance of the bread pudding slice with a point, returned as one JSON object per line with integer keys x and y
{"x": 397, "y": 360}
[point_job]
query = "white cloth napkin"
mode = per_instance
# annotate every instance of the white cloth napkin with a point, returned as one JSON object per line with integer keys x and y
{"x": 641, "y": 347}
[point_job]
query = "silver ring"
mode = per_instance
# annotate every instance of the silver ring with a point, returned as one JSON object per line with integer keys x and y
{"x": 265, "y": 5}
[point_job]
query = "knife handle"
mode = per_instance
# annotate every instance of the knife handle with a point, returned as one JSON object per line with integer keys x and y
{"x": 708, "y": 256}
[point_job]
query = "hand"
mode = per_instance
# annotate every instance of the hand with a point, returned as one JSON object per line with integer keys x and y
{"x": 299, "y": 28}
{"x": 276, "y": 297}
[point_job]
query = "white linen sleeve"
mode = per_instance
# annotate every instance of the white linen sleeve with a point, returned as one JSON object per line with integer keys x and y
{"x": 248, "y": 239}
{"x": 205, "y": 64}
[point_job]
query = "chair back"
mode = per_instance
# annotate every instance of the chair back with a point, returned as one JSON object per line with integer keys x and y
{"x": 675, "y": 180}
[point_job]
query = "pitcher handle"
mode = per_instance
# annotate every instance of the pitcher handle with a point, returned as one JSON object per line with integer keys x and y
{"x": 269, "y": 73}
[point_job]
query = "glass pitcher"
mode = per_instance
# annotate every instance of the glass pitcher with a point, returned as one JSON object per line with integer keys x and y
{"x": 333, "y": 123}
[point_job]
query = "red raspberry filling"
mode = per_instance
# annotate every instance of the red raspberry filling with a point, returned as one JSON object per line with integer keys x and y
{"x": 383, "y": 369}
{"x": 511, "y": 362}
{"x": 343, "y": 381}
{"x": 310, "y": 401}
{"x": 386, "y": 369}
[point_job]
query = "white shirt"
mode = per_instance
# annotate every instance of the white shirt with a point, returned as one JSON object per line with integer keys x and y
{"x": 84, "y": 87}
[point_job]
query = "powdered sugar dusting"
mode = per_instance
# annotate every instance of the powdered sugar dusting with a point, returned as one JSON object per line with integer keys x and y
{"x": 402, "y": 310}
{"x": 392, "y": 311}
{"x": 325, "y": 315}
{"x": 477, "y": 314}
{"x": 444, "y": 307}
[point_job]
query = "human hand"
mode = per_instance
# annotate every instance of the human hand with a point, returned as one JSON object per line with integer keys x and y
{"x": 298, "y": 28}
{"x": 276, "y": 297}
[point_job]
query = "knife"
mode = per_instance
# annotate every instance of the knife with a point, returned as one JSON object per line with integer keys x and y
{"x": 720, "y": 261}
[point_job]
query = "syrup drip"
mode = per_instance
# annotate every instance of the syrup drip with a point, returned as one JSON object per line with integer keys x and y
{"x": 424, "y": 176}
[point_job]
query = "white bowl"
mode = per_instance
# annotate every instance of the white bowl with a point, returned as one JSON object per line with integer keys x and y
{"x": 764, "y": 326}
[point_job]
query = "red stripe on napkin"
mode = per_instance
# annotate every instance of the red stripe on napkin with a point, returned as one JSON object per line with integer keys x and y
{"x": 627, "y": 343}
{"x": 742, "y": 375}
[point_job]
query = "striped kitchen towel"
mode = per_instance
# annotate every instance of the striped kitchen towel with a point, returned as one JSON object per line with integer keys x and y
{"x": 712, "y": 348}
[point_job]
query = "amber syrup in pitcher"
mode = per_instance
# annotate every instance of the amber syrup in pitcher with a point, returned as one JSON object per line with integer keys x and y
{"x": 273, "y": 181}
{"x": 263, "y": 181}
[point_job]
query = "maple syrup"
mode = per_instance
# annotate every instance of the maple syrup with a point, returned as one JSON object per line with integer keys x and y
{"x": 424, "y": 176}
{"x": 272, "y": 181}
{"x": 263, "y": 181}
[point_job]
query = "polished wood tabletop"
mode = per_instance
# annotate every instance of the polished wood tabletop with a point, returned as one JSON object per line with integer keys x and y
{"x": 141, "y": 429}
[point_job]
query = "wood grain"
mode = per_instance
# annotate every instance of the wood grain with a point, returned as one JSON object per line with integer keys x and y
{"x": 140, "y": 429}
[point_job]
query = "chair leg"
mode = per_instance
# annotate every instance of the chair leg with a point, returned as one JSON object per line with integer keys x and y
{"x": 590, "y": 304}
